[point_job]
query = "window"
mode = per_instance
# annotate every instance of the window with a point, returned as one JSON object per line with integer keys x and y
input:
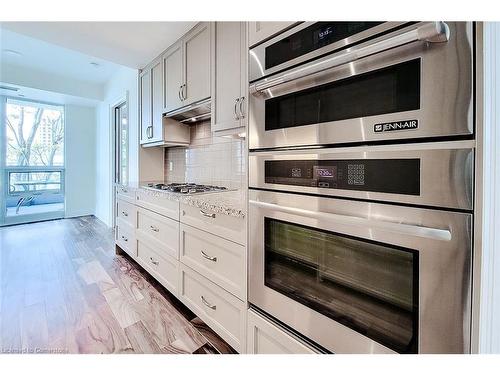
{"x": 35, "y": 134}
{"x": 33, "y": 161}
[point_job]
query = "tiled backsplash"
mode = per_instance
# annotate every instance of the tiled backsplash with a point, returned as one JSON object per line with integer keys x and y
{"x": 208, "y": 160}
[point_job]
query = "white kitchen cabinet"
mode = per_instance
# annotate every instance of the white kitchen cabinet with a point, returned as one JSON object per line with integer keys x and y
{"x": 151, "y": 102}
{"x": 197, "y": 47}
{"x": 173, "y": 77}
{"x": 186, "y": 67}
{"x": 230, "y": 86}
{"x": 264, "y": 337}
{"x": 220, "y": 310}
{"x": 145, "y": 104}
{"x": 260, "y": 31}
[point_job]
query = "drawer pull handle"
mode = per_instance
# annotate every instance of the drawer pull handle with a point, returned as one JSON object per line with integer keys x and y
{"x": 154, "y": 229}
{"x": 209, "y": 305}
{"x": 213, "y": 259}
{"x": 124, "y": 238}
{"x": 155, "y": 262}
{"x": 124, "y": 213}
{"x": 124, "y": 190}
{"x": 206, "y": 214}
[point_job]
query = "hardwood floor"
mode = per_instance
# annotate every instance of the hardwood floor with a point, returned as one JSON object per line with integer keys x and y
{"x": 64, "y": 290}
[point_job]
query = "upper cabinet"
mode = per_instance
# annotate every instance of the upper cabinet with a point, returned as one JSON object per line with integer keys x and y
{"x": 230, "y": 86}
{"x": 151, "y": 104}
{"x": 260, "y": 31}
{"x": 197, "y": 63}
{"x": 173, "y": 81}
{"x": 186, "y": 67}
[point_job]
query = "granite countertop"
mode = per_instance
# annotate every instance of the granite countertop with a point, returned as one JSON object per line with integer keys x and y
{"x": 229, "y": 202}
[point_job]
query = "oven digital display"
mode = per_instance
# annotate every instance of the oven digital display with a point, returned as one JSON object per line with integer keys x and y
{"x": 396, "y": 176}
{"x": 330, "y": 172}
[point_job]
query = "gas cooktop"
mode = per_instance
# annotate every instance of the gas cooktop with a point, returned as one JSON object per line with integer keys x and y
{"x": 186, "y": 188}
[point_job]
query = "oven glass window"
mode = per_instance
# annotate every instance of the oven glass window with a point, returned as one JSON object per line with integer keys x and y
{"x": 367, "y": 286}
{"x": 388, "y": 90}
{"x": 311, "y": 38}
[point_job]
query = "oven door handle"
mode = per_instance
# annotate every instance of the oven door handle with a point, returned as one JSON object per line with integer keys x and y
{"x": 407, "y": 229}
{"x": 431, "y": 32}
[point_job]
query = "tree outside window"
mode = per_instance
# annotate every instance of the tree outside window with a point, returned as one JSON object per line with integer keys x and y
{"x": 35, "y": 134}
{"x": 34, "y": 139}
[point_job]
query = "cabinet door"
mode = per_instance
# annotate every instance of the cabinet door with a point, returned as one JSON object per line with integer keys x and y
{"x": 227, "y": 75}
{"x": 196, "y": 46}
{"x": 156, "y": 101}
{"x": 145, "y": 103}
{"x": 260, "y": 31}
{"x": 173, "y": 80}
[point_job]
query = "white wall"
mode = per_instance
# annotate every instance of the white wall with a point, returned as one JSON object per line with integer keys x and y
{"x": 123, "y": 82}
{"x": 489, "y": 318}
{"x": 80, "y": 172}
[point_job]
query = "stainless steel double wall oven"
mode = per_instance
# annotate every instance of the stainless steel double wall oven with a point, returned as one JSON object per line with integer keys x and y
{"x": 361, "y": 138}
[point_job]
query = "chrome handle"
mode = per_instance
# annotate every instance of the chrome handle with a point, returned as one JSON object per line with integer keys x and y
{"x": 431, "y": 32}
{"x": 184, "y": 91}
{"x": 124, "y": 213}
{"x": 151, "y": 131}
{"x": 207, "y": 214}
{"x": 236, "y": 117}
{"x": 155, "y": 262}
{"x": 124, "y": 238}
{"x": 242, "y": 115}
{"x": 124, "y": 190}
{"x": 179, "y": 93}
{"x": 408, "y": 229}
{"x": 213, "y": 307}
{"x": 153, "y": 228}
{"x": 213, "y": 259}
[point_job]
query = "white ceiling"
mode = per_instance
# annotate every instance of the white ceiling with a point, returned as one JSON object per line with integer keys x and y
{"x": 49, "y": 58}
{"x": 132, "y": 44}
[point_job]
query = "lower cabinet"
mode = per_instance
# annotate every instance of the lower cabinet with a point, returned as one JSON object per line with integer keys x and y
{"x": 162, "y": 267}
{"x": 219, "y": 309}
{"x": 206, "y": 271}
{"x": 264, "y": 337}
{"x": 125, "y": 237}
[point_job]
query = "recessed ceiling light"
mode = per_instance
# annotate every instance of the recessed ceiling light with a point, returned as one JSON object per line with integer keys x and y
{"x": 12, "y": 52}
{"x": 94, "y": 64}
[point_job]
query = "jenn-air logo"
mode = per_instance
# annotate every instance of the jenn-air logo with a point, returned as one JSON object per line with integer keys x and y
{"x": 396, "y": 125}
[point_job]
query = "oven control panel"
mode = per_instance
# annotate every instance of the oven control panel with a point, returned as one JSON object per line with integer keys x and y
{"x": 396, "y": 176}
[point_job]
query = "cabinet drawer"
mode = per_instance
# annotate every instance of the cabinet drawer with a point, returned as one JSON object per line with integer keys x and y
{"x": 126, "y": 211}
{"x": 125, "y": 238}
{"x": 125, "y": 193}
{"x": 220, "y": 260}
{"x": 220, "y": 310}
{"x": 264, "y": 337}
{"x": 159, "y": 204}
{"x": 229, "y": 227}
{"x": 158, "y": 231}
{"x": 162, "y": 267}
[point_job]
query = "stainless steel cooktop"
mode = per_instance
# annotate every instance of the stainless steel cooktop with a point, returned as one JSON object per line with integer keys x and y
{"x": 186, "y": 188}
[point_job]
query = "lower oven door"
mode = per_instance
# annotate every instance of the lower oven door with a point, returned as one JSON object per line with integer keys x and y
{"x": 359, "y": 277}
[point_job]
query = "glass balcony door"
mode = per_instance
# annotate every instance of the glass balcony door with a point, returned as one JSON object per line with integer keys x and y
{"x": 32, "y": 161}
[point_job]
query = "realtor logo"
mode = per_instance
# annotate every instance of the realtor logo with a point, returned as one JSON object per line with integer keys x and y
{"x": 396, "y": 125}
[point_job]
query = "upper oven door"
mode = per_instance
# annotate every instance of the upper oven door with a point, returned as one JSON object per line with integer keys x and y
{"x": 310, "y": 40}
{"x": 414, "y": 82}
{"x": 360, "y": 277}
